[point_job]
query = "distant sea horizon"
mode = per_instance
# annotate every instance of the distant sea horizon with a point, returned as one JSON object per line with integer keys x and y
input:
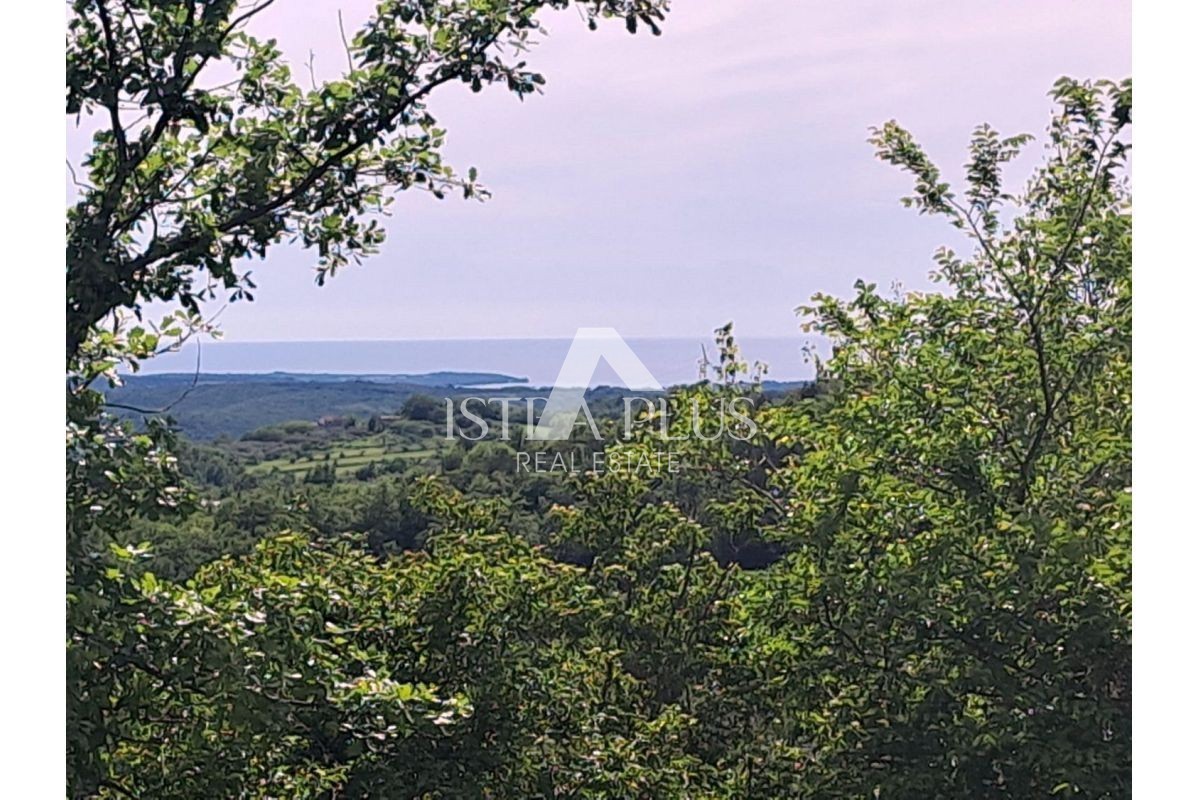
{"x": 672, "y": 360}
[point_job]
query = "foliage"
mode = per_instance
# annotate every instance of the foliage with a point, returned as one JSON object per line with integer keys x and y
{"x": 913, "y": 582}
{"x": 207, "y": 152}
{"x": 477, "y": 668}
{"x": 963, "y": 505}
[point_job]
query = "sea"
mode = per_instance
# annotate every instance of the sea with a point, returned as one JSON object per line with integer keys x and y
{"x": 672, "y": 361}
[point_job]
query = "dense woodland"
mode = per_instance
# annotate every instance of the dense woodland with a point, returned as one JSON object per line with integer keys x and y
{"x": 203, "y": 406}
{"x": 913, "y": 580}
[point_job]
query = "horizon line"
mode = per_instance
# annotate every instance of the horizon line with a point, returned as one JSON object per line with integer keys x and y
{"x": 737, "y": 337}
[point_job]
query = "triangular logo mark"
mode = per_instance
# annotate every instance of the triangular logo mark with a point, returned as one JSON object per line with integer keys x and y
{"x": 589, "y": 346}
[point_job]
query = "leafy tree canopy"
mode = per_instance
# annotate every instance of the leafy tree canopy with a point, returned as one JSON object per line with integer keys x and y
{"x": 943, "y": 603}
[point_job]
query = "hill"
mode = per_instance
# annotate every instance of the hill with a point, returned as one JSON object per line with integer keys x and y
{"x": 233, "y": 404}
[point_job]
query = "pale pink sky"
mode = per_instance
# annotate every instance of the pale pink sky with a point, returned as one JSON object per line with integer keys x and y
{"x": 666, "y": 185}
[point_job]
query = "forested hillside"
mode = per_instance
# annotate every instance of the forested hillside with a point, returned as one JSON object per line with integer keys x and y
{"x": 909, "y": 580}
{"x": 205, "y": 407}
{"x": 211, "y": 406}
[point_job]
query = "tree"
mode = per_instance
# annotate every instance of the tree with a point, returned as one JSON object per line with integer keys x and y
{"x": 207, "y": 152}
{"x": 960, "y": 518}
{"x": 951, "y": 613}
{"x": 478, "y": 667}
{"x": 424, "y": 408}
{"x": 946, "y": 609}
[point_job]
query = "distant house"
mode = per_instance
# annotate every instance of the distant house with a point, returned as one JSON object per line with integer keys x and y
{"x": 332, "y": 421}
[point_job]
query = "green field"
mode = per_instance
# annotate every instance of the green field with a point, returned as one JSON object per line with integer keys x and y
{"x": 349, "y": 456}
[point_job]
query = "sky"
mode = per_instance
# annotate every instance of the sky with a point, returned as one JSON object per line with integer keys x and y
{"x": 666, "y": 185}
